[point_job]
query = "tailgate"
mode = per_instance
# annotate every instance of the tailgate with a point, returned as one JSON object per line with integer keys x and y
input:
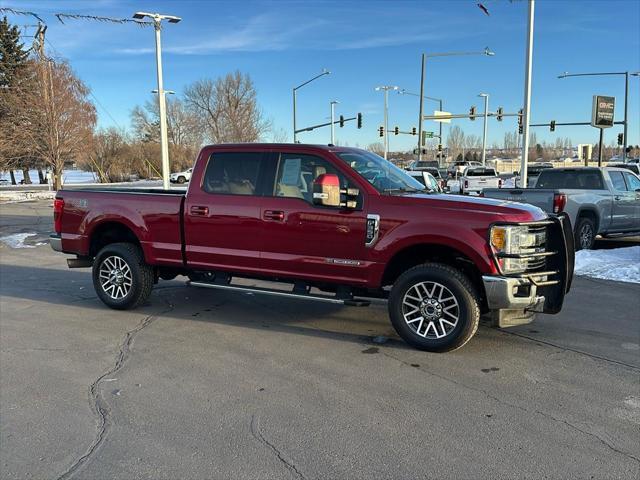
{"x": 541, "y": 198}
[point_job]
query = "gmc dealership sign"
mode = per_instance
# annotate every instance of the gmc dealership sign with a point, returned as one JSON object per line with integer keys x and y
{"x": 602, "y": 111}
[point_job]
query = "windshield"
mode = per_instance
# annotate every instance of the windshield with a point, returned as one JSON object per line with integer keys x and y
{"x": 380, "y": 173}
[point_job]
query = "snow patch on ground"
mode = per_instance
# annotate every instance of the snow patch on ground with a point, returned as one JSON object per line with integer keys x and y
{"x": 619, "y": 264}
{"x": 17, "y": 240}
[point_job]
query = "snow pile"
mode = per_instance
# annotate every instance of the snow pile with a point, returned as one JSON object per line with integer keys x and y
{"x": 17, "y": 240}
{"x": 619, "y": 264}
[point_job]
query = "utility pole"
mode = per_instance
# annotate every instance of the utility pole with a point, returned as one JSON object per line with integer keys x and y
{"x": 162, "y": 104}
{"x": 526, "y": 114}
{"x": 484, "y": 131}
{"x": 333, "y": 127}
{"x": 424, "y": 58}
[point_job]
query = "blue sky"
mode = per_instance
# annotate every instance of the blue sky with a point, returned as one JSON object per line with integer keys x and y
{"x": 364, "y": 44}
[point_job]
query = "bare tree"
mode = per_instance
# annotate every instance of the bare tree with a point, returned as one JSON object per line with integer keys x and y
{"x": 377, "y": 148}
{"x": 54, "y": 120}
{"x": 455, "y": 140}
{"x": 228, "y": 108}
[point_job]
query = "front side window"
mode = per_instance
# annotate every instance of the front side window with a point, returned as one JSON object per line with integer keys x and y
{"x": 383, "y": 175}
{"x": 633, "y": 182}
{"x": 297, "y": 172}
{"x": 233, "y": 173}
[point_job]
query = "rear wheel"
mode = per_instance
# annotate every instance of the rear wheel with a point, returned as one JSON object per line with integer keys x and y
{"x": 181, "y": 179}
{"x": 121, "y": 278}
{"x": 585, "y": 233}
{"x": 434, "y": 307}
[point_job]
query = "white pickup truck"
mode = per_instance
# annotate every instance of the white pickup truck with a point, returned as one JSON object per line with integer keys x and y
{"x": 475, "y": 179}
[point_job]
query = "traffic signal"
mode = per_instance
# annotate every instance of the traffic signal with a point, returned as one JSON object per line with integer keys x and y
{"x": 620, "y": 138}
{"x": 520, "y": 129}
{"x": 396, "y": 130}
{"x": 520, "y": 113}
{"x": 499, "y": 113}
{"x": 341, "y": 121}
{"x": 552, "y": 126}
{"x": 413, "y": 131}
{"x": 472, "y": 113}
{"x": 381, "y": 130}
{"x": 439, "y": 147}
{"x": 424, "y": 138}
{"x": 359, "y": 120}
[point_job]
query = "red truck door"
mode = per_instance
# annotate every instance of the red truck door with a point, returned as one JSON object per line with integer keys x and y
{"x": 222, "y": 215}
{"x": 305, "y": 240}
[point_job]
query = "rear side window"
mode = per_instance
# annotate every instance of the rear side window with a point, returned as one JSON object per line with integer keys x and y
{"x": 571, "y": 179}
{"x": 618, "y": 181}
{"x": 232, "y": 173}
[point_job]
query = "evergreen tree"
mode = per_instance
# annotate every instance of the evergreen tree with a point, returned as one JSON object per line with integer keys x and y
{"x": 13, "y": 55}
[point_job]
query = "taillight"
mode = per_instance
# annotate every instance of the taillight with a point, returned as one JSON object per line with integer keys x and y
{"x": 559, "y": 202}
{"x": 499, "y": 183}
{"x": 466, "y": 184}
{"x": 58, "y": 206}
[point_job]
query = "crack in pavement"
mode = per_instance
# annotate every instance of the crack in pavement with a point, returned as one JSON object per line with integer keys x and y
{"x": 98, "y": 404}
{"x": 257, "y": 434}
{"x": 569, "y": 349}
{"x": 519, "y": 407}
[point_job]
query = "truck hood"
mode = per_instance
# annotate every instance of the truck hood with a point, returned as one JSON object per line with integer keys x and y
{"x": 508, "y": 211}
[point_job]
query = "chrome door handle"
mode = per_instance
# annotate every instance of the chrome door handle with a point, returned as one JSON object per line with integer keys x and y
{"x": 277, "y": 215}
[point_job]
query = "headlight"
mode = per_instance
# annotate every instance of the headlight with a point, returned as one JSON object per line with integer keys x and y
{"x": 509, "y": 240}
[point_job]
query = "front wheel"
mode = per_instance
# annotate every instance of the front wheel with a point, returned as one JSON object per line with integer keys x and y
{"x": 121, "y": 278}
{"x": 181, "y": 180}
{"x": 434, "y": 307}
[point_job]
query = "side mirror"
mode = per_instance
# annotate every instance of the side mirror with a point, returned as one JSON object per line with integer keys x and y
{"x": 326, "y": 190}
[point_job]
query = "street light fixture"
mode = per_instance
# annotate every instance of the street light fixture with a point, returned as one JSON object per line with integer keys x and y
{"x": 385, "y": 89}
{"x": 333, "y": 127}
{"x": 295, "y": 89}
{"x": 626, "y": 97}
{"x": 486, "y": 52}
{"x": 162, "y": 106}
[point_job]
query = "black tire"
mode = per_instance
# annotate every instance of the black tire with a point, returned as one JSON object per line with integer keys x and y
{"x": 585, "y": 233}
{"x": 181, "y": 179}
{"x": 140, "y": 274}
{"x": 466, "y": 307}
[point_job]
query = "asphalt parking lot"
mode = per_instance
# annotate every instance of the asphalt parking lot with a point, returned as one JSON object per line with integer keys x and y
{"x": 203, "y": 384}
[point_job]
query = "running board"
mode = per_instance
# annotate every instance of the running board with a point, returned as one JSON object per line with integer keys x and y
{"x": 353, "y": 302}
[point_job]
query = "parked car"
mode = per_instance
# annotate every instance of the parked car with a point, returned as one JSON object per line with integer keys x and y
{"x": 181, "y": 177}
{"x": 426, "y": 179}
{"x": 435, "y": 171}
{"x": 634, "y": 167}
{"x": 423, "y": 164}
{"x": 475, "y": 179}
{"x": 599, "y": 201}
{"x": 340, "y": 220}
{"x": 456, "y": 168}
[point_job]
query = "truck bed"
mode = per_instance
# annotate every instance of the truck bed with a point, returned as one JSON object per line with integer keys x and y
{"x": 155, "y": 215}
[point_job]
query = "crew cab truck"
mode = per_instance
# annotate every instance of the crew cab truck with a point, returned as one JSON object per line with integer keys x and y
{"x": 334, "y": 224}
{"x": 598, "y": 200}
{"x": 475, "y": 179}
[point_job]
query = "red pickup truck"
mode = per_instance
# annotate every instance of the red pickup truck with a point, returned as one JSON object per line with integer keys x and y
{"x": 335, "y": 224}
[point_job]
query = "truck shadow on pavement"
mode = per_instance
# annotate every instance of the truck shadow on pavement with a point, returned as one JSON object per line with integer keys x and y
{"x": 74, "y": 288}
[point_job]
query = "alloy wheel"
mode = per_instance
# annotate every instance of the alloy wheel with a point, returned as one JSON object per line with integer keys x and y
{"x": 431, "y": 310}
{"x": 115, "y": 277}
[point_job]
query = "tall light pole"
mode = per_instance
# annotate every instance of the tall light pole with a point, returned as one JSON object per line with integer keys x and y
{"x": 439, "y": 100}
{"x": 484, "y": 129}
{"x": 162, "y": 105}
{"x": 385, "y": 89}
{"x": 526, "y": 113}
{"x": 333, "y": 116}
{"x": 487, "y": 52}
{"x": 295, "y": 89}
{"x": 626, "y": 99}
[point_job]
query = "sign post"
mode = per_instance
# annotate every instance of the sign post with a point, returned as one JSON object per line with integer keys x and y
{"x": 602, "y": 112}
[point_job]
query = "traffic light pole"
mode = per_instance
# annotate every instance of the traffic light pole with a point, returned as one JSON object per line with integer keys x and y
{"x": 421, "y": 117}
{"x": 313, "y": 127}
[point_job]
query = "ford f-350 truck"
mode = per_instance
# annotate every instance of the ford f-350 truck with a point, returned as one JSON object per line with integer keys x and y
{"x": 335, "y": 224}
